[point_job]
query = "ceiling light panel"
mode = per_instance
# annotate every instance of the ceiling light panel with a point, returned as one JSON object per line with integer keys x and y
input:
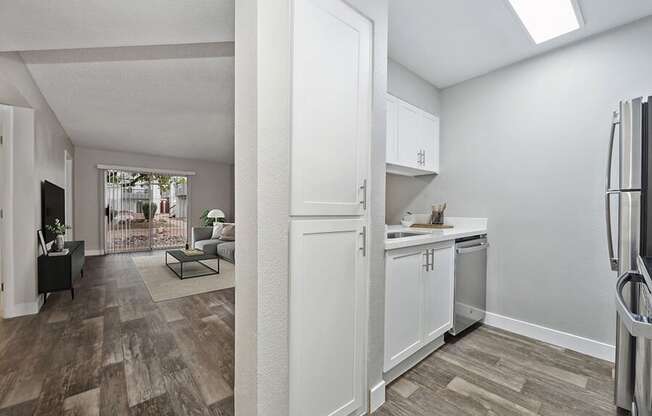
{"x": 547, "y": 19}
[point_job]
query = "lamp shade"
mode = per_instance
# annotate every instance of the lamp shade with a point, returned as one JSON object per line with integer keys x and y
{"x": 216, "y": 213}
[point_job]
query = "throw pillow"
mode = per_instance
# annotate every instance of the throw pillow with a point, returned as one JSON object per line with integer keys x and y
{"x": 228, "y": 233}
{"x": 217, "y": 230}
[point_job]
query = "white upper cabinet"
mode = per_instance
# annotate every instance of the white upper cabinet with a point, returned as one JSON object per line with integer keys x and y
{"x": 331, "y": 106}
{"x": 409, "y": 137}
{"x": 412, "y": 139}
{"x": 430, "y": 142}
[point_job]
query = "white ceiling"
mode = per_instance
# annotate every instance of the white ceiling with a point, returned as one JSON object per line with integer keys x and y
{"x": 174, "y": 100}
{"x": 449, "y": 41}
{"x": 156, "y": 76}
{"x": 69, "y": 24}
{"x": 144, "y": 76}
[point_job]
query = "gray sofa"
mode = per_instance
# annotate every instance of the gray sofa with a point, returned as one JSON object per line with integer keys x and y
{"x": 201, "y": 239}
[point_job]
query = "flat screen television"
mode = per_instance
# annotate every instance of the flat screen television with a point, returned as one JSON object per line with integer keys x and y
{"x": 53, "y": 206}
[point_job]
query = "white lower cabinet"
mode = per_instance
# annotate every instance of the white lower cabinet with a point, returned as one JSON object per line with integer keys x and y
{"x": 403, "y": 289}
{"x": 418, "y": 298}
{"x": 328, "y": 267}
{"x": 438, "y": 293}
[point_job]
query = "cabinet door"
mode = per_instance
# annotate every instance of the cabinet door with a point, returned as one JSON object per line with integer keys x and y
{"x": 331, "y": 105}
{"x": 430, "y": 141}
{"x": 392, "y": 138}
{"x": 409, "y": 135}
{"x": 403, "y": 309}
{"x": 327, "y": 317}
{"x": 438, "y": 293}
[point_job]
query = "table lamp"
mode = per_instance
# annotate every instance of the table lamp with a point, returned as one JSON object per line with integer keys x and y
{"x": 216, "y": 214}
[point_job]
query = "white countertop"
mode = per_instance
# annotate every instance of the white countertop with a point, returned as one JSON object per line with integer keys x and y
{"x": 462, "y": 227}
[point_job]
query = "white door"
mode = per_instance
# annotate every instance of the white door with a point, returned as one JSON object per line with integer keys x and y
{"x": 403, "y": 308}
{"x": 392, "y": 138}
{"x": 409, "y": 135}
{"x": 430, "y": 141}
{"x": 438, "y": 293}
{"x": 327, "y": 317}
{"x": 331, "y": 103}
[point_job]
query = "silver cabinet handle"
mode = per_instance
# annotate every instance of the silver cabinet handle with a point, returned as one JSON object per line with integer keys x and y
{"x": 637, "y": 325}
{"x": 613, "y": 260}
{"x": 363, "y": 187}
{"x": 363, "y": 234}
{"x": 430, "y": 264}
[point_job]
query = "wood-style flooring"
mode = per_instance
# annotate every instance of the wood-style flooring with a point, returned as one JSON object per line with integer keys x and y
{"x": 112, "y": 351}
{"x": 493, "y": 372}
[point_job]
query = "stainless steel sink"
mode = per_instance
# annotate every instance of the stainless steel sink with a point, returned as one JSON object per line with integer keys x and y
{"x": 401, "y": 235}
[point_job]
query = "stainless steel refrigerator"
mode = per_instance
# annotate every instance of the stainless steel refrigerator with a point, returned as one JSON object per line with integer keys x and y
{"x": 626, "y": 207}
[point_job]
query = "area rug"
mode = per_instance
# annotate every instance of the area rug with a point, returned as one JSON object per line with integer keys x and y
{"x": 163, "y": 283}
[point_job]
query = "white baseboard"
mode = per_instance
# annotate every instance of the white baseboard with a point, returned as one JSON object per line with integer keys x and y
{"x": 22, "y": 309}
{"x": 89, "y": 253}
{"x": 376, "y": 396}
{"x": 552, "y": 336}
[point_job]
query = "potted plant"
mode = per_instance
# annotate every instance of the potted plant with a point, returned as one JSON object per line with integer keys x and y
{"x": 58, "y": 229}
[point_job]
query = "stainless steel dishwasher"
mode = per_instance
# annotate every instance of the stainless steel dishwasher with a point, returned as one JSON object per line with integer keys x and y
{"x": 470, "y": 282}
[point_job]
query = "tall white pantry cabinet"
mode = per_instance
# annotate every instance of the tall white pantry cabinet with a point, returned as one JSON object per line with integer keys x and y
{"x": 329, "y": 156}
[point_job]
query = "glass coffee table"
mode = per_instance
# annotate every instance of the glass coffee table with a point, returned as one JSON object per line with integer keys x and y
{"x": 182, "y": 258}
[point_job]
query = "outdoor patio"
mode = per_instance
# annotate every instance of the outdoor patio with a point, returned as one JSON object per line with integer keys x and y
{"x": 130, "y": 231}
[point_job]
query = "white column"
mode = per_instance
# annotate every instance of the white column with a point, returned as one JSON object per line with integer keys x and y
{"x": 262, "y": 126}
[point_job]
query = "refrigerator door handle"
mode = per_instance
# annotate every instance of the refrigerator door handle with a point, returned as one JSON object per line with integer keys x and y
{"x": 637, "y": 325}
{"x": 613, "y": 260}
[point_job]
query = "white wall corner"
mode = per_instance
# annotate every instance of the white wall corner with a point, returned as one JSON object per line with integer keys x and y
{"x": 376, "y": 396}
{"x": 566, "y": 340}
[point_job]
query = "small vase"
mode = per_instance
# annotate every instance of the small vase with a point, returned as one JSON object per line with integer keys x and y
{"x": 59, "y": 243}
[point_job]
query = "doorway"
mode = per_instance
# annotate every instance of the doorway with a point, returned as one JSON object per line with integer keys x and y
{"x": 3, "y": 198}
{"x": 144, "y": 211}
{"x": 68, "y": 181}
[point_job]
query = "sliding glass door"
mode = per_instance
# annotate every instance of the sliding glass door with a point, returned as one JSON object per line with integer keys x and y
{"x": 144, "y": 211}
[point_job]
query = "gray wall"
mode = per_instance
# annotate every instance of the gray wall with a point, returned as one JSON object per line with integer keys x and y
{"x": 17, "y": 88}
{"x": 406, "y": 194}
{"x": 526, "y": 147}
{"x": 211, "y": 187}
{"x": 409, "y": 87}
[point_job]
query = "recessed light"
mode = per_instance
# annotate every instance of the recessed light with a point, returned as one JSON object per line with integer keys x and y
{"x": 547, "y": 19}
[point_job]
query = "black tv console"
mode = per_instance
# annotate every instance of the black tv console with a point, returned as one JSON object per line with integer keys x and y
{"x": 57, "y": 273}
